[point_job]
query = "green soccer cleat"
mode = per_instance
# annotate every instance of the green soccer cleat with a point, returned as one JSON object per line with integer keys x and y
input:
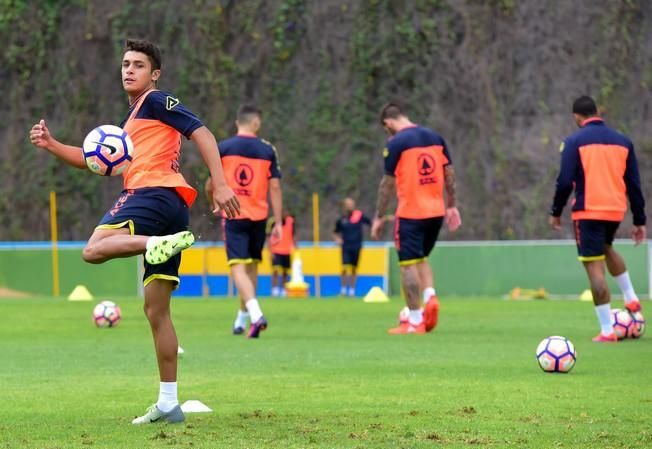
{"x": 154, "y": 415}
{"x": 160, "y": 249}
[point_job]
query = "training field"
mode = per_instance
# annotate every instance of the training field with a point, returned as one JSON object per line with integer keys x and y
{"x": 324, "y": 375}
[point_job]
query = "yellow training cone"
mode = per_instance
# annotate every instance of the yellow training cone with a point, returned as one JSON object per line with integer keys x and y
{"x": 376, "y": 294}
{"x": 80, "y": 293}
{"x": 586, "y": 295}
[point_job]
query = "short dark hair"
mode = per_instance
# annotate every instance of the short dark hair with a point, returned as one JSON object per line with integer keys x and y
{"x": 247, "y": 112}
{"x": 147, "y": 47}
{"x": 585, "y": 106}
{"x": 390, "y": 110}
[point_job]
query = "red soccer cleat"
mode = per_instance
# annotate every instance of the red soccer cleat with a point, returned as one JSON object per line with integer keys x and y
{"x": 601, "y": 338}
{"x": 407, "y": 328}
{"x": 431, "y": 313}
{"x": 633, "y": 306}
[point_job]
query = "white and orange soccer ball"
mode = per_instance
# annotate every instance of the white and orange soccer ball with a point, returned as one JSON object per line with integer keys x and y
{"x": 556, "y": 354}
{"x": 623, "y": 323}
{"x": 638, "y": 328}
{"x": 106, "y": 314}
{"x": 108, "y": 150}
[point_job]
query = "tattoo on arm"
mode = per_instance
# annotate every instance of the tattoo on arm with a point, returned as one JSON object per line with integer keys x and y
{"x": 449, "y": 179}
{"x": 386, "y": 190}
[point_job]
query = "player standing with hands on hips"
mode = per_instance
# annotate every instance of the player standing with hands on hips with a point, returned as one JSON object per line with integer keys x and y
{"x": 600, "y": 165}
{"x": 418, "y": 167}
{"x": 151, "y": 215}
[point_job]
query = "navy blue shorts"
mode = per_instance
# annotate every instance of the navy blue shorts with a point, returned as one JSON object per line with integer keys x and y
{"x": 350, "y": 257}
{"x": 591, "y": 237}
{"x": 281, "y": 261}
{"x": 415, "y": 238}
{"x": 150, "y": 211}
{"x": 244, "y": 240}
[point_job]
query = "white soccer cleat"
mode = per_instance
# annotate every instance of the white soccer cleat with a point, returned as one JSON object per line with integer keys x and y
{"x": 154, "y": 415}
{"x": 160, "y": 249}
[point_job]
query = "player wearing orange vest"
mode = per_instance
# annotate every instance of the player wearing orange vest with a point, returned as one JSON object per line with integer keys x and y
{"x": 151, "y": 215}
{"x": 348, "y": 234}
{"x": 251, "y": 168}
{"x": 417, "y": 167}
{"x": 281, "y": 250}
{"x": 599, "y": 164}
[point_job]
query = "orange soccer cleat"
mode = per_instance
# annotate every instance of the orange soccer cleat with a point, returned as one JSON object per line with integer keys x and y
{"x": 602, "y": 338}
{"x": 407, "y": 328}
{"x": 431, "y": 313}
{"x": 633, "y": 306}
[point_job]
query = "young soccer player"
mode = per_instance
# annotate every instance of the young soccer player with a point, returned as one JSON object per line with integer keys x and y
{"x": 151, "y": 215}
{"x": 348, "y": 235}
{"x": 416, "y": 162}
{"x": 251, "y": 168}
{"x": 600, "y": 165}
{"x": 281, "y": 250}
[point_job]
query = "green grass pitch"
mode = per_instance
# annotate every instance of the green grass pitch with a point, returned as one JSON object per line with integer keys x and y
{"x": 324, "y": 375}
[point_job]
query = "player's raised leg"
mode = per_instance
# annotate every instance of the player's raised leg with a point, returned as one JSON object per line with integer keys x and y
{"x": 157, "y": 309}
{"x": 618, "y": 269}
{"x": 601, "y": 300}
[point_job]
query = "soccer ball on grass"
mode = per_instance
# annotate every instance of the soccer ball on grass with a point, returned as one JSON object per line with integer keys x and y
{"x": 556, "y": 355}
{"x": 106, "y": 314}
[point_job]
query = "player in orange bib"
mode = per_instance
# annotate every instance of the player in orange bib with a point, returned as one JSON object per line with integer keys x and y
{"x": 417, "y": 167}
{"x": 252, "y": 170}
{"x": 151, "y": 215}
{"x": 281, "y": 251}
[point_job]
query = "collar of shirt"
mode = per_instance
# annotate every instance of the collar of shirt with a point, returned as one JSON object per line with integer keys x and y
{"x": 593, "y": 121}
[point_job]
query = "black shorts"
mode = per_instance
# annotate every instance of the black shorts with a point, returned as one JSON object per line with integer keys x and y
{"x": 150, "y": 211}
{"x": 350, "y": 257}
{"x": 244, "y": 240}
{"x": 281, "y": 261}
{"x": 591, "y": 237}
{"x": 415, "y": 238}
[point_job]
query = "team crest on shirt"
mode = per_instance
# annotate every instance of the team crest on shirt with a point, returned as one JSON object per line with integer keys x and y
{"x": 244, "y": 174}
{"x": 561, "y": 147}
{"x": 385, "y": 152}
{"x": 171, "y": 102}
{"x": 426, "y": 168}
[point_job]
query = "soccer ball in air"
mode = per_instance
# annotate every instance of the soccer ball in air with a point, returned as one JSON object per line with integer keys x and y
{"x": 107, "y": 150}
{"x": 638, "y": 325}
{"x": 623, "y": 323}
{"x": 106, "y": 314}
{"x": 556, "y": 355}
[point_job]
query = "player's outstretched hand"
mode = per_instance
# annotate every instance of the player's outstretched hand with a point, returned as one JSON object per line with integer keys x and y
{"x": 555, "y": 222}
{"x": 639, "y": 233}
{"x": 40, "y": 135}
{"x": 453, "y": 219}
{"x": 225, "y": 200}
{"x": 377, "y": 227}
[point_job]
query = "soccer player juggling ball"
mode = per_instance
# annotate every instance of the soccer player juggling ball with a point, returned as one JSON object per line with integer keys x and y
{"x": 417, "y": 167}
{"x": 600, "y": 165}
{"x": 151, "y": 215}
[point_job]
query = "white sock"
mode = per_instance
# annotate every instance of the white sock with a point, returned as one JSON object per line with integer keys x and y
{"x": 254, "y": 309}
{"x": 427, "y": 293}
{"x": 275, "y": 291}
{"x": 351, "y": 291}
{"x": 416, "y": 317}
{"x": 241, "y": 319}
{"x": 625, "y": 284}
{"x": 604, "y": 317}
{"x": 167, "y": 396}
{"x": 343, "y": 291}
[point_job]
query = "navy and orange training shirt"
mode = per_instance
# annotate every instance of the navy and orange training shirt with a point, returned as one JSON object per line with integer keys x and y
{"x": 249, "y": 162}
{"x": 416, "y": 156}
{"x": 600, "y": 164}
{"x": 155, "y": 123}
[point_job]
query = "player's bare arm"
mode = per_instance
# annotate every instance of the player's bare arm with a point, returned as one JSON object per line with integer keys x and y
{"x": 40, "y": 137}
{"x": 276, "y": 200}
{"x": 453, "y": 219}
{"x": 639, "y": 234}
{"x": 222, "y": 196}
{"x": 386, "y": 191}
